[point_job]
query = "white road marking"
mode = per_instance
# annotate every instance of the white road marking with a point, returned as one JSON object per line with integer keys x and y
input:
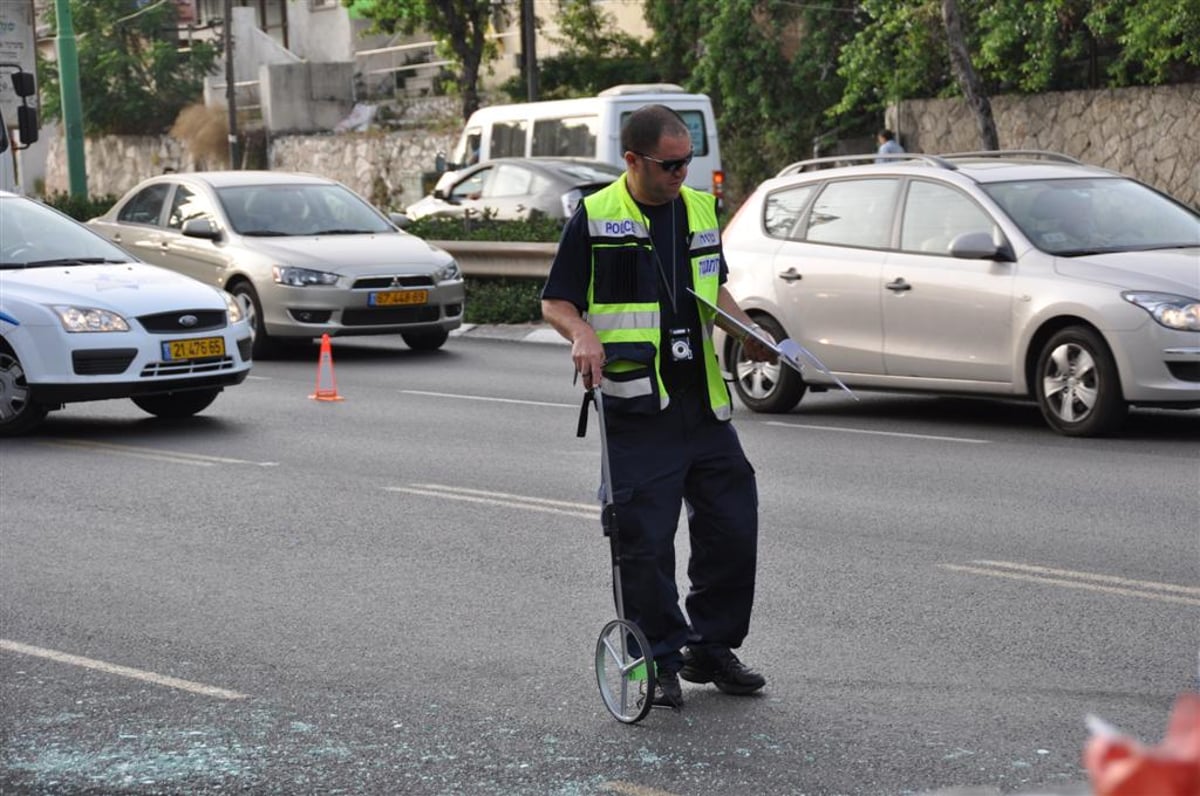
{"x": 633, "y": 789}
{"x": 487, "y": 398}
{"x": 175, "y": 457}
{"x": 1088, "y": 581}
{"x": 584, "y": 510}
{"x": 123, "y": 671}
{"x": 845, "y": 430}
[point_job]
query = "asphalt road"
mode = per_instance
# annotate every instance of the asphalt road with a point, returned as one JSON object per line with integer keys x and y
{"x": 400, "y": 593}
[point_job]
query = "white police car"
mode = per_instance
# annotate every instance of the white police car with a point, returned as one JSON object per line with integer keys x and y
{"x": 82, "y": 320}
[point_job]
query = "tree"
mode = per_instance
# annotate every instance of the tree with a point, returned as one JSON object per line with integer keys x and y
{"x": 770, "y": 67}
{"x": 133, "y": 76}
{"x": 679, "y": 27}
{"x": 968, "y": 79}
{"x": 594, "y": 55}
{"x": 460, "y": 25}
{"x": 1019, "y": 46}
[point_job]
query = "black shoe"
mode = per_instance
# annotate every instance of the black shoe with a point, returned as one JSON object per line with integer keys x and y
{"x": 667, "y": 691}
{"x": 718, "y": 665}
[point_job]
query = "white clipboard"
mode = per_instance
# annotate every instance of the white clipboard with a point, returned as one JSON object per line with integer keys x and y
{"x": 789, "y": 351}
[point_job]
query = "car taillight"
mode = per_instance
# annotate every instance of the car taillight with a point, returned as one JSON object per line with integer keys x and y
{"x": 719, "y": 188}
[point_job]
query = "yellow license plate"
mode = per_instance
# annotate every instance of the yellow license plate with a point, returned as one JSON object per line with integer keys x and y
{"x": 392, "y": 298}
{"x": 196, "y": 348}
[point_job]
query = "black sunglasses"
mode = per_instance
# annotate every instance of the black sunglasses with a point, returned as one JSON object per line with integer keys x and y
{"x": 670, "y": 165}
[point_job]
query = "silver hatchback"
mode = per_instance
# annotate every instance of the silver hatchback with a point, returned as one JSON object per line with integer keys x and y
{"x": 306, "y": 255}
{"x": 1017, "y": 274}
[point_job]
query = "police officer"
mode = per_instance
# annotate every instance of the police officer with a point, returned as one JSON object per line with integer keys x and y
{"x": 618, "y": 291}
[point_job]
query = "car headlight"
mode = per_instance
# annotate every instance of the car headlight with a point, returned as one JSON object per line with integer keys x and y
{"x": 448, "y": 272}
{"x": 301, "y": 277}
{"x": 233, "y": 306}
{"x": 90, "y": 319}
{"x": 1171, "y": 310}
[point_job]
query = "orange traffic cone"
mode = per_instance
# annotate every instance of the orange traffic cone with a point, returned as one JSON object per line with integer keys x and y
{"x": 326, "y": 382}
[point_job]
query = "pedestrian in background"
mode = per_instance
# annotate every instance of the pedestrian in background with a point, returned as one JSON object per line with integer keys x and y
{"x": 888, "y": 145}
{"x": 618, "y": 290}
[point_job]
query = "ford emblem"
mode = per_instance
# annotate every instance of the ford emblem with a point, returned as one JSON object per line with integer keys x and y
{"x": 188, "y": 321}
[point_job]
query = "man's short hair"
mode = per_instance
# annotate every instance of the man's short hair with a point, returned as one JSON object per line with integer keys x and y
{"x": 645, "y": 126}
{"x": 886, "y": 134}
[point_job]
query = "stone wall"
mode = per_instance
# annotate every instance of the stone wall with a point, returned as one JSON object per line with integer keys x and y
{"x": 1148, "y": 133}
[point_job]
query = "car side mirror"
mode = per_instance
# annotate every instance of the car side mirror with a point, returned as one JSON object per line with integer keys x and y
{"x": 201, "y": 228}
{"x": 980, "y": 246}
{"x": 400, "y": 219}
{"x": 438, "y": 193}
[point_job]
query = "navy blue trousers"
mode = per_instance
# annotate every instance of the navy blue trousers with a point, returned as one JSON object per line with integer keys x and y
{"x": 684, "y": 457}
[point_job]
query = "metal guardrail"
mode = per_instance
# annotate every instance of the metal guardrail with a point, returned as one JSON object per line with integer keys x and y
{"x": 489, "y": 258}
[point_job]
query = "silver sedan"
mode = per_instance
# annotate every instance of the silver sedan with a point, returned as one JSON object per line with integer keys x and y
{"x": 306, "y": 255}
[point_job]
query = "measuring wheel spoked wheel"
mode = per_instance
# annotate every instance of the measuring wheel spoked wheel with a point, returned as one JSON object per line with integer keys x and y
{"x": 623, "y": 673}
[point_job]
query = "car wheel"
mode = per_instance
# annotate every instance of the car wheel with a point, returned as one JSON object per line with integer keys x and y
{"x": 262, "y": 346}
{"x": 177, "y": 405}
{"x": 426, "y": 340}
{"x": 19, "y": 413}
{"x": 1077, "y": 386}
{"x": 763, "y": 386}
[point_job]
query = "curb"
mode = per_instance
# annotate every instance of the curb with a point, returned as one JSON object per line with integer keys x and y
{"x": 518, "y": 332}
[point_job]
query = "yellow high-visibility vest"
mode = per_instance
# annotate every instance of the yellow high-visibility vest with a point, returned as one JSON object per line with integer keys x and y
{"x": 624, "y": 306}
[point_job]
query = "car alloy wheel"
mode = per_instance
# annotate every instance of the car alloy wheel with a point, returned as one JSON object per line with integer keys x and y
{"x": 765, "y": 386}
{"x": 1077, "y": 386}
{"x": 18, "y": 412}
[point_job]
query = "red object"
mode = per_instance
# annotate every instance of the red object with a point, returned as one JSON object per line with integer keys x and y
{"x": 1121, "y": 766}
{"x": 326, "y": 381}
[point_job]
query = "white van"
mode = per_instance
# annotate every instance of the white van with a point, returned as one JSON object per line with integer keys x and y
{"x": 590, "y": 127}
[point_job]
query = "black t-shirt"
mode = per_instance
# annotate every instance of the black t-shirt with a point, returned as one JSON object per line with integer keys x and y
{"x": 570, "y": 275}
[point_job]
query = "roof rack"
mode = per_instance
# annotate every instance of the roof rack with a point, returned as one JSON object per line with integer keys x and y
{"x": 1016, "y": 153}
{"x": 933, "y": 160}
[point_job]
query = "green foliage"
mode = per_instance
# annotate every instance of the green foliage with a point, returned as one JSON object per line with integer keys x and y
{"x": 594, "y": 55}
{"x": 1018, "y": 46}
{"x": 504, "y": 300}
{"x": 538, "y": 229}
{"x": 133, "y": 76}
{"x": 679, "y": 27}
{"x": 1159, "y": 39}
{"x": 81, "y": 208}
{"x": 768, "y": 66}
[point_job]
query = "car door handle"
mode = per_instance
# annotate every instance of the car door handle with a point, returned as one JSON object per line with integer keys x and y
{"x": 898, "y": 285}
{"x": 790, "y": 275}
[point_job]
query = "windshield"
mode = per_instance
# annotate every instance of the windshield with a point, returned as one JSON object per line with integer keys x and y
{"x": 1085, "y": 216}
{"x": 283, "y": 210}
{"x": 33, "y": 234}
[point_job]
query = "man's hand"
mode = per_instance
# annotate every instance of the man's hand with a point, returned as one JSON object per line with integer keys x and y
{"x": 588, "y": 355}
{"x": 755, "y": 350}
{"x": 587, "y": 352}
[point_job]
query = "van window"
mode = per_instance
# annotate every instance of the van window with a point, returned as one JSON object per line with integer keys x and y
{"x": 695, "y": 124}
{"x": 508, "y": 140}
{"x": 572, "y": 137}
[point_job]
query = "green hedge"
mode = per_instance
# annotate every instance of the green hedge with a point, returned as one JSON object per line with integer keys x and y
{"x": 81, "y": 208}
{"x": 495, "y": 299}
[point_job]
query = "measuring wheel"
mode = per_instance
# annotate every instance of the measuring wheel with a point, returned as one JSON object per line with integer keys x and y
{"x": 624, "y": 674}
{"x": 624, "y": 659}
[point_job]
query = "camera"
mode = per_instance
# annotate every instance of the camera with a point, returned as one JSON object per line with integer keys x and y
{"x": 681, "y": 346}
